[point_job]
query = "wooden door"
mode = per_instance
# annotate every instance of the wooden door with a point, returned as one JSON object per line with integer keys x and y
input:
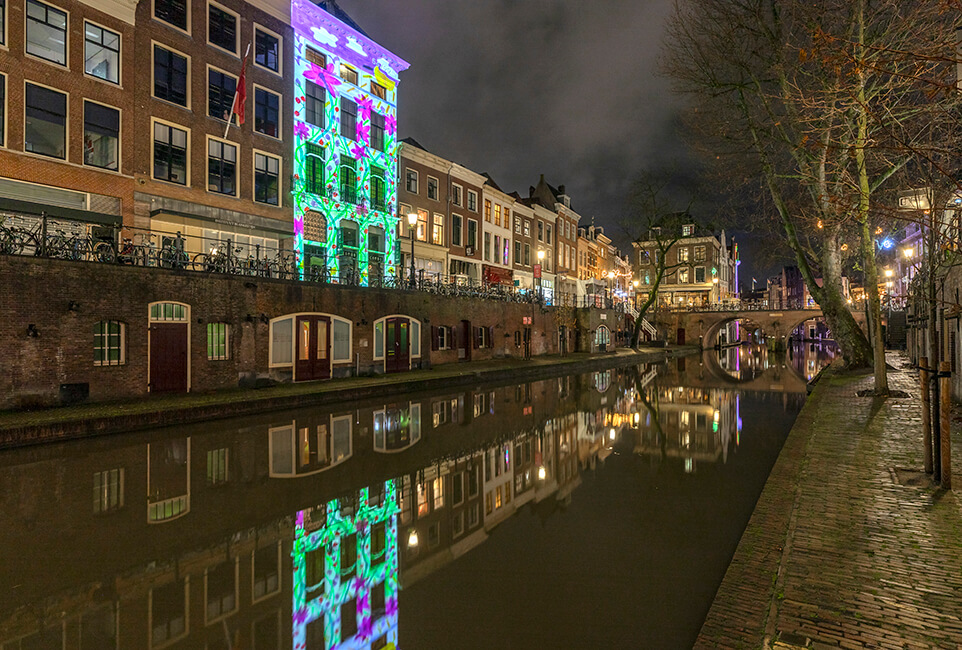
{"x": 681, "y": 336}
{"x": 397, "y": 345}
{"x": 465, "y": 340}
{"x": 168, "y": 358}
{"x": 313, "y": 348}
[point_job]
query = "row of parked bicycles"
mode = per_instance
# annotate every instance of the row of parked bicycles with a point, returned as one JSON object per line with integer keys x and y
{"x": 169, "y": 253}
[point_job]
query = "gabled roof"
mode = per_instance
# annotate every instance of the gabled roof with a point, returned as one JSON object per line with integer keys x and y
{"x": 491, "y": 182}
{"x": 331, "y": 7}
{"x": 544, "y": 194}
{"x": 414, "y": 143}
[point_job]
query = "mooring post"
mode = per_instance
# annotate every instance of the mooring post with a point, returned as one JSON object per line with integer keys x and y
{"x": 945, "y": 379}
{"x": 926, "y": 413}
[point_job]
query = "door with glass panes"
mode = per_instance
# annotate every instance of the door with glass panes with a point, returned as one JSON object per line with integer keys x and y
{"x": 313, "y": 359}
{"x": 397, "y": 346}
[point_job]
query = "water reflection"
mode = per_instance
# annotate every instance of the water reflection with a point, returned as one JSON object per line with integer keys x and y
{"x": 299, "y": 529}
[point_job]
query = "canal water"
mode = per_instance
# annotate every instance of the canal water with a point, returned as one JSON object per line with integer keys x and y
{"x": 587, "y": 511}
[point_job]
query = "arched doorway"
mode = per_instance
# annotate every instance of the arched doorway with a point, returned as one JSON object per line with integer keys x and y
{"x": 168, "y": 342}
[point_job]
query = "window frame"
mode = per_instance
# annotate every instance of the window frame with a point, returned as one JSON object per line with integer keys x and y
{"x": 3, "y": 107}
{"x": 153, "y": 70}
{"x": 437, "y": 188}
{"x": 121, "y": 345}
{"x": 223, "y": 143}
{"x": 408, "y": 172}
{"x": 173, "y": 125}
{"x": 221, "y": 349}
{"x": 5, "y": 19}
{"x": 341, "y": 121}
{"x": 472, "y": 203}
{"x": 457, "y": 194}
{"x": 188, "y": 11}
{"x": 66, "y": 33}
{"x": 280, "y": 49}
{"x": 214, "y": 68}
{"x": 309, "y": 153}
{"x": 351, "y": 71}
{"x": 66, "y": 126}
{"x": 237, "y": 28}
{"x": 310, "y": 99}
{"x": 254, "y": 171}
{"x": 120, "y": 128}
{"x": 378, "y": 125}
{"x": 459, "y": 229}
{"x": 280, "y": 111}
{"x": 120, "y": 53}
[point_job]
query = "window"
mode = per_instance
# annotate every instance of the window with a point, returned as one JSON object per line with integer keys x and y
{"x": 487, "y": 247}
{"x": 45, "y": 127}
{"x": 517, "y": 252}
{"x": 699, "y": 253}
{"x": 437, "y": 230}
{"x": 472, "y": 233}
{"x": 314, "y": 169}
{"x": 348, "y": 180}
{"x": 497, "y": 214}
{"x": 348, "y": 74}
{"x": 527, "y": 228}
{"x": 168, "y": 612}
{"x": 348, "y": 119}
{"x": 221, "y": 167}
{"x": 46, "y": 32}
{"x": 411, "y": 181}
{"x": 314, "y": 99}
{"x": 547, "y": 235}
{"x": 517, "y": 225}
{"x": 172, "y": 11}
{"x": 101, "y": 136}
{"x": 217, "y": 465}
{"x": 687, "y": 230}
{"x": 170, "y": 76}
{"x": 682, "y": 254}
{"x": 348, "y": 556}
{"x": 101, "y": 53}
{"x": 267, "y": 112}
{"x": 456, "y": 194}
{"x": 378, "y": 90}
{"x": 432, "y": 188}
{"x": 108, "y": 490}
{"x": 222, "y": 28}
{"x": 314, "y": 569}
{"x": 170, "y": 154}
{"x": 527, "y": 254}
{"x": 315, "y": 57}
{"x": 266, "y": 571}
{"x": 220, "y": 584}
{"x": 109, "y": 343}
{"x": 220, "y": 93}
{"x": 456, "y": 229}
{"x": 487, "y": 210}
{"x": 378, "y": 543}
{"x": 682, "y": 276}
{"x": 377, "y": 131}
{"x": 472, "y": 201}
{"x": 267, "y": 50}
{"x": 3, "y": 22}
{"x": 377, "y": 188}
{"x": 217, "y": 341}
{"x": 266, "y": 175}
{"x": 540, "y": 230}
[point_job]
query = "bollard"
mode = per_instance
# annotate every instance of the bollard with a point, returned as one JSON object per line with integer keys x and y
{"x": 926, "y": 413}
{"x": 945, "y": 379}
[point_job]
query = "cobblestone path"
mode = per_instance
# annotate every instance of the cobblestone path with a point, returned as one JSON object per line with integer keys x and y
{"x": 839, "y": 552}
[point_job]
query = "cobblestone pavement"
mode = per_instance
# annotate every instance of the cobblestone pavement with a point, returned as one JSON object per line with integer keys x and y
{"x": 840, "y": 552}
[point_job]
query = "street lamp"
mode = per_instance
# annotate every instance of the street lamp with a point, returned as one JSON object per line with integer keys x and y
{"x": 412, "y": 222}
{"x": 611, "y": 297}
{"x": 540, "y": 272}
{"x": 635, "y": 283}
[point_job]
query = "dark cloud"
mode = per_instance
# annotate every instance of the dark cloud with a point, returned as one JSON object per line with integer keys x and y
{"x": 518, "y": 88}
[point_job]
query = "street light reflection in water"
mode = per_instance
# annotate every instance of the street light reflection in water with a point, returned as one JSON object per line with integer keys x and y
{"x": 436, "y": 520}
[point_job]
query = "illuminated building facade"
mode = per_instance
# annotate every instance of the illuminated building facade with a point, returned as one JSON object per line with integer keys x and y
{"x": 346, "y": 572}
{"x": 345, "y": 147}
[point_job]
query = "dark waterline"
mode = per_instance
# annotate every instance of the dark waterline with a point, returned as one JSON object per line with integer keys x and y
{"x": 555, "y": 513}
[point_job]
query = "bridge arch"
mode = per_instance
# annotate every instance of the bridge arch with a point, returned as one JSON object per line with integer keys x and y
{"x": 778, "y": 324}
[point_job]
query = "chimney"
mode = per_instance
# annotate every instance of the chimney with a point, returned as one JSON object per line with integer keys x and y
{"x": 530, "y": 191}
{"x": 561, "y": 189}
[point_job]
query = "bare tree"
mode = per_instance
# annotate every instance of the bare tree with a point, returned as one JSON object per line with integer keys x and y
{"x": 808, "y": 92}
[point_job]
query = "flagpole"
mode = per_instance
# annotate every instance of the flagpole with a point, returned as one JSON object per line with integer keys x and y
{"x": 233, "y": 104}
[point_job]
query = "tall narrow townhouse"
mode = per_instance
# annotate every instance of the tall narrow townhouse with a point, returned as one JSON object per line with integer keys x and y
{"x": 425, "y": 195}
{"x": 496, "y": 234}
{"x": 345, "y": 146}
{"x": 522, "y": 239}
{"x": 194, "y": 173}
{"x": 465, "y": 199}
{"x": 565, "y": 245}
{"x": 67, "y": 114}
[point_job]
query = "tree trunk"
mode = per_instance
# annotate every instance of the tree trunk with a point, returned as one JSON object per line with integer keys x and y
{"x": 849, "y": 337}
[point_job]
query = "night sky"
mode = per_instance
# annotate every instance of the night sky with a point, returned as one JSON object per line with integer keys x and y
{"x": 519, "y": 88}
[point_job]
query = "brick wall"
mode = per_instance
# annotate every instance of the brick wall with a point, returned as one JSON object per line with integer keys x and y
{"x": 40, "y": 292}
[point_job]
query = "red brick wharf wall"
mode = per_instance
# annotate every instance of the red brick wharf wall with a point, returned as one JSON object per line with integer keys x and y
{"x": 64, "y": 300}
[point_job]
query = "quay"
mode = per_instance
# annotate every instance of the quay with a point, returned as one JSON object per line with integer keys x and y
{"x": 18, "y": 428}
{"x": 850, "y": 545}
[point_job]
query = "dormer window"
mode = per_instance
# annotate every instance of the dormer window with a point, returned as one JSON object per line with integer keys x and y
{"x": 687, "y": 230}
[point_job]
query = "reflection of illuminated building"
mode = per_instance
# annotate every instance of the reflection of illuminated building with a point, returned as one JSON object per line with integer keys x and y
{"x": 310, "y": 444}
{"x": 168, "y": 481}
{"x": 396, "y": 429}
{"x": 346, "y": 572}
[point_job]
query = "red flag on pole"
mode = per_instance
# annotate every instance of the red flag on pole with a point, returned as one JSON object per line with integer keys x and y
{"x": 240, "y": 95}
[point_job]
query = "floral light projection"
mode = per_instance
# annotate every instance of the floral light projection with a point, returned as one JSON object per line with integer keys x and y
{"x": 341, "y": 44}
{"x": 325, "y": 602}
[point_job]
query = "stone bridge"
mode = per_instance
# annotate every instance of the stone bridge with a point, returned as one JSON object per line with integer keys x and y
{"x": 695, "y": 326}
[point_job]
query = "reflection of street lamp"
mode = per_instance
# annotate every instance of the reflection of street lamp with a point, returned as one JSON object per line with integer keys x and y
{"x": 412, "y": 221}
{"x": 635, "y": 283}
{"x": 540, "y": 272}
{"x": 611, "y": 293}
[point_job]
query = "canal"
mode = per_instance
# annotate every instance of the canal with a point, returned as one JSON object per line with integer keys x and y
{"x": 596, "y": 510}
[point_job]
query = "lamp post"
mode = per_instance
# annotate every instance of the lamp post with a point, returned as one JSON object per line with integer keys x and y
{"x": 412, "y": 222}
{"x": 540, "y": 271}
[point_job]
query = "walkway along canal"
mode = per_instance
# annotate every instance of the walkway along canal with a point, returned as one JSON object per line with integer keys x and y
{"x": 587, "y": 510}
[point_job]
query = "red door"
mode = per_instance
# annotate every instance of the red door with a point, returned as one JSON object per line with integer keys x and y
{"x": 465, "y": 341}
{"x": 397, "y": 346}
{"x": 313, "y": 348}
{"x": 168, "y": 358}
